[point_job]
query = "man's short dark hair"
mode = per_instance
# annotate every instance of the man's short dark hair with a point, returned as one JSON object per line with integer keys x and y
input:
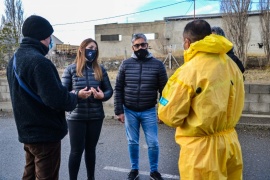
{"x": 197, "y": 30}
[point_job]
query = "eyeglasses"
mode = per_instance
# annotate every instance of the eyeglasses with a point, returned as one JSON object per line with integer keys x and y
{"x": 143, "y": 45}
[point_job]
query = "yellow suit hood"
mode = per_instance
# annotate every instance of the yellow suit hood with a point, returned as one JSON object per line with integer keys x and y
{"x": 210, "y": 44}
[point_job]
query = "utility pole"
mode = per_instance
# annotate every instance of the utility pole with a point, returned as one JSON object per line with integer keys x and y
{"x": 194, "y": 9}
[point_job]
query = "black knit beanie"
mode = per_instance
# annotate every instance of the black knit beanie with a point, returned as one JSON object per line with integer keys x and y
{"x": 37, "y": 27}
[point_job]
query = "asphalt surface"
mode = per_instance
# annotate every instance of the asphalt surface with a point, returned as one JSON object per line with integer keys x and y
{"x": 112, "y": 155}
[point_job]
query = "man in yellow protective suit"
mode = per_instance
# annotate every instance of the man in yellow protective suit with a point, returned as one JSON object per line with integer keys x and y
{"x": 203, "y": 100}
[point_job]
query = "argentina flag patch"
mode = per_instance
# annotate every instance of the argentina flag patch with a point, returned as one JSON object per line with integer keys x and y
{"x": 163, "y": 101}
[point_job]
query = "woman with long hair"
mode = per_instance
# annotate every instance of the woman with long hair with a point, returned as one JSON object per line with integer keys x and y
{"x": 85, "y": 121}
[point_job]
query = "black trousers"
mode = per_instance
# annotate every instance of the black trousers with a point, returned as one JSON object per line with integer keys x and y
{"x": 84, "y": 136}
{"x": 42, "y": 161}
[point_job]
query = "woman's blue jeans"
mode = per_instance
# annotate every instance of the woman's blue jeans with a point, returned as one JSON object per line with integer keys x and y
{"x": 148, "y": 120}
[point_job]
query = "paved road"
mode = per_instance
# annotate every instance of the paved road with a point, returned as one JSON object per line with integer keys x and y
{"x": 112, "y": 155}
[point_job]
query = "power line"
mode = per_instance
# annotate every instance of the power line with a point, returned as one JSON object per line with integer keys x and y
{"x": 79, "y": 22}
{"x": 192, "y": 1}
{"x": 189, "y": 8}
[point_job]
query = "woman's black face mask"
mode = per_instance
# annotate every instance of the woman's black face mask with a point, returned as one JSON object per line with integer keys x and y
{"x": 90, "y": 54}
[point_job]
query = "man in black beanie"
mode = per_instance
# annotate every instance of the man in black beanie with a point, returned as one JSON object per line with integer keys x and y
{"x": 39, "y": 101}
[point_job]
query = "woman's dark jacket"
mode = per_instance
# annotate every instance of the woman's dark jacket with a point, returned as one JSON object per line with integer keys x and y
{"x": 236, "y": 60}
{"x": 138, "y": 83}
{"x": 90, "y": 108}
{"x": 37, "y": 122}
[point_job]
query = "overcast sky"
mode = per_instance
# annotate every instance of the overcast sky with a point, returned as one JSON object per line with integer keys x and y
{"x": 67, "y": 16}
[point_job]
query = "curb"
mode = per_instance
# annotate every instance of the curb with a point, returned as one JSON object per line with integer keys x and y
{"x": 263, "y": 124}
{"x": 253, "y": 126}
{"x": 256, "y": 115}
{"x": 254, "y": 121}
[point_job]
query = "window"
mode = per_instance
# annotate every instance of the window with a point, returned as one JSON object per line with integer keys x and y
{"x": 260, "y": 45}
{"x": 112, "y": 37}
{"x": 150, "y": 36}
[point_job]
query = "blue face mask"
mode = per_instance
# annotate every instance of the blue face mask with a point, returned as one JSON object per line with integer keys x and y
{"x": 51, "y": 44}
{"x": 90, "y": 54}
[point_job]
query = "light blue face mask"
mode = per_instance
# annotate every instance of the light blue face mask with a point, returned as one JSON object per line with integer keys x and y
{"x": 51, "y": 44}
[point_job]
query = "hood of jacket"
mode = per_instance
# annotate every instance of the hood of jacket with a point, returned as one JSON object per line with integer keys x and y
{"x": 210, "y": 44}
{"x": 28, "y": 42}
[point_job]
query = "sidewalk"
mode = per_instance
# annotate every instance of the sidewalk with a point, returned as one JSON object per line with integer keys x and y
{"x": 247, "y": 120}
{"x": 258, "y": 121}
{"x": 5, "y": 106}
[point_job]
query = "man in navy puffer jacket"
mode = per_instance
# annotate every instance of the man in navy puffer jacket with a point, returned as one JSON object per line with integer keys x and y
{"x": 138, "y": 82}
{"x": 41, "y": 124}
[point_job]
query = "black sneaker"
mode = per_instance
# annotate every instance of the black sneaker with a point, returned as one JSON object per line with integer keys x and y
{"x": 133, "y": 174}
{"x": 155, "y": 176}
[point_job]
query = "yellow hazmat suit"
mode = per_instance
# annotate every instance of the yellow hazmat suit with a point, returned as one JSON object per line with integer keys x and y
{"x": 204, "y": 100}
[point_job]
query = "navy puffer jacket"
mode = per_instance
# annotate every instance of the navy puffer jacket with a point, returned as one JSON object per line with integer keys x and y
{"x": 90, "y": 108}
{"x": 138, "y": 83}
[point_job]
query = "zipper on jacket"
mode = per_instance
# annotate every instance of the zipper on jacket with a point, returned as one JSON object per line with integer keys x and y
{"x": 88, "y": 86}
{"x": 140, "y": 79}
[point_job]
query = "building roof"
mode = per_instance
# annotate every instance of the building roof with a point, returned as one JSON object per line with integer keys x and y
{"x": 202, "y": 16}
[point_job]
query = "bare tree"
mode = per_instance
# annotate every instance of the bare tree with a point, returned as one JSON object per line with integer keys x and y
{"x": 263, "y": 7}
{"x": 14, "y": 16}
{"x": 235, "y": 22}
{"x": 10, "y": 28}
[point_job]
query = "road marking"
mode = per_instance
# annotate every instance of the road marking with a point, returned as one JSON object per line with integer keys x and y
{"x": 141, "y": 172}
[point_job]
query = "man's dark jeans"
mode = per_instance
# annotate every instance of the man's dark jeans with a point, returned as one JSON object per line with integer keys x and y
{"x": 42, "y": 161}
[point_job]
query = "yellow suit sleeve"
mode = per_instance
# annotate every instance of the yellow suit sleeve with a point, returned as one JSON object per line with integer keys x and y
{"x": 175, "y": 102}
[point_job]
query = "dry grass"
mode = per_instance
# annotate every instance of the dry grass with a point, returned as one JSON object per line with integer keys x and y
{"x": 260, "y": 76}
